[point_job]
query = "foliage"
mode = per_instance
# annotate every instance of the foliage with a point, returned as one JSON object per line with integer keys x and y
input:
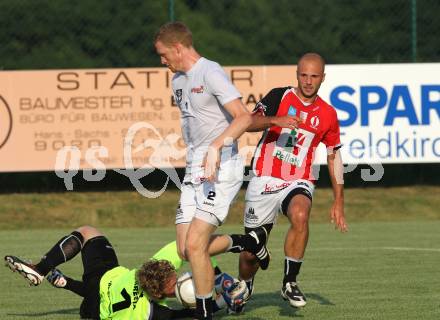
{"x": 92, "y": 34}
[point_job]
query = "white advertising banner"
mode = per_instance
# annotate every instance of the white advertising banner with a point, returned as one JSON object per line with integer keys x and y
{"x": 388, "y": 113}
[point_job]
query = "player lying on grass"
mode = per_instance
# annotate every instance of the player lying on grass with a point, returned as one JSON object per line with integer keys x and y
{"x": 109, "y": 290}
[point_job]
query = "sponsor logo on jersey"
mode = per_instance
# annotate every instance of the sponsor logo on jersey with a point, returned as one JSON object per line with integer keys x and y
{"x": 179, "y": 95}
{"x": 197, "y": 89}
{"x": 314, "y": 122}
{"x": 292, "y": 111}
{"x": 286, "y": 156}
{"x": 271, "y": 189}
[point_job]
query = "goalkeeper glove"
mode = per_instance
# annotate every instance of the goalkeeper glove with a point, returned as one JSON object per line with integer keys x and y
{"x": 57, "y": 278}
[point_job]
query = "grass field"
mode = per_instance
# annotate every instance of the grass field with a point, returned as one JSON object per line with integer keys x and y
{"x": 379, "y": 270}
{"x": 129, "y": 209}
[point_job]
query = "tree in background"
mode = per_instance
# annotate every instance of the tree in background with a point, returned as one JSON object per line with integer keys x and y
{"x": 93, "y": 34}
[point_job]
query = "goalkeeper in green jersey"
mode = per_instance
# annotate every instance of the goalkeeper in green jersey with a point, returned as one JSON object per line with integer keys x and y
{"x": 109, "y": 290}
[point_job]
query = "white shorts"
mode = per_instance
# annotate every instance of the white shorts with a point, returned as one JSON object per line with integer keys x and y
{"x": 210, "y": 201}
{"x": 265, "y": 195}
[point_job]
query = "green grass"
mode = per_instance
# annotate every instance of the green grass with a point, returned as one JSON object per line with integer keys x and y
{"x": 129, "y": 209}
{"x": 386, "y": 267}
{"x": 379, "y": 270}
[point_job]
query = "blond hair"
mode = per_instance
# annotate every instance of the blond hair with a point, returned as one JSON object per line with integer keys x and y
{"x": 174, "y": 32}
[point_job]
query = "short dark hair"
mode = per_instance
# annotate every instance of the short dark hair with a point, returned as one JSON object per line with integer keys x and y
{"x": 174, "y": 32}
{"x": 153, "y": 276}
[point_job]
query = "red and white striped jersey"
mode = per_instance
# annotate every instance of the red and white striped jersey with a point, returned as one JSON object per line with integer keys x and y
{"x": 288, "y": 154}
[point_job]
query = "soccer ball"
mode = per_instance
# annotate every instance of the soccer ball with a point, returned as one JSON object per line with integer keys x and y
{"x": 229, "y": 292}
{"x": 185, "y": 291}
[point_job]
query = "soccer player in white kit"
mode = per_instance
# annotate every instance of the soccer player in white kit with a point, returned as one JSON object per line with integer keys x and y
{"x": 213, "y": 117}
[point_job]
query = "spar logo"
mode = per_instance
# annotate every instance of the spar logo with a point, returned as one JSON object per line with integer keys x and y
{"x": 399, "y": 103}
{"x": 5, "y": 122}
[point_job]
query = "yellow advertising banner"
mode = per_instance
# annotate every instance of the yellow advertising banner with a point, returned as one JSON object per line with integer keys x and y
{"x": 91, "y": 112}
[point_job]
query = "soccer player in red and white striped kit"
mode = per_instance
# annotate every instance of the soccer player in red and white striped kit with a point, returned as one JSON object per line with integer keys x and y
{"x": 295, "y": 121}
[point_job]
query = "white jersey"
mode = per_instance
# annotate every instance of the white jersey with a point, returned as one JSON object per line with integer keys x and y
{"x": 200, "y": 94}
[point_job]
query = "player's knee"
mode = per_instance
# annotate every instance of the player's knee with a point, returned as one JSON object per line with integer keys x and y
{"x": 299, "y": 218}
{"x": 190, "y": 251}
{"x": 88, "y": 232}
{"x": 193, "y": 247}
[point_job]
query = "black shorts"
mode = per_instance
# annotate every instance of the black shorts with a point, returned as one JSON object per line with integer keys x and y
{"x": 98, "y": 256}
{"x": 294, "y": 192}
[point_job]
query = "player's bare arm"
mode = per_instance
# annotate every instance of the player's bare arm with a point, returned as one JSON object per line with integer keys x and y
{"x": 260, "y": 122}
{"x": 336, "y": 172}
{"x": 242, "y": 120}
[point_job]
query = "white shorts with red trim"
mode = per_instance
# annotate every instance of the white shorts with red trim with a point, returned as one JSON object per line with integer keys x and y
{"x": 265, "y": 195}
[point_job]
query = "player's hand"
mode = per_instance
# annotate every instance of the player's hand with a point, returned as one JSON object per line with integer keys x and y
{"x": 211, "y": 163}
{"x": 287, "y": 122}
{"x": 57, "y": 278}
{"x": 236, "y": 296}
{"x": 337, "y": 216}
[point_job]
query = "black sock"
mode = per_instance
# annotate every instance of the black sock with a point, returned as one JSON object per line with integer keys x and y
{"x": 215, "y": 306}
{"x": 249, "y": 241}
{"x": 65, "y": 249}
{"x": 204, "y": 307}
{"x": 291, "y": 269}
{"x": 242, "y": 242}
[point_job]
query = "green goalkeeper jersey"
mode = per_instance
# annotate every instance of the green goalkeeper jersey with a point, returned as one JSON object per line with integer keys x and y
{"x": 121, "y": 297}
